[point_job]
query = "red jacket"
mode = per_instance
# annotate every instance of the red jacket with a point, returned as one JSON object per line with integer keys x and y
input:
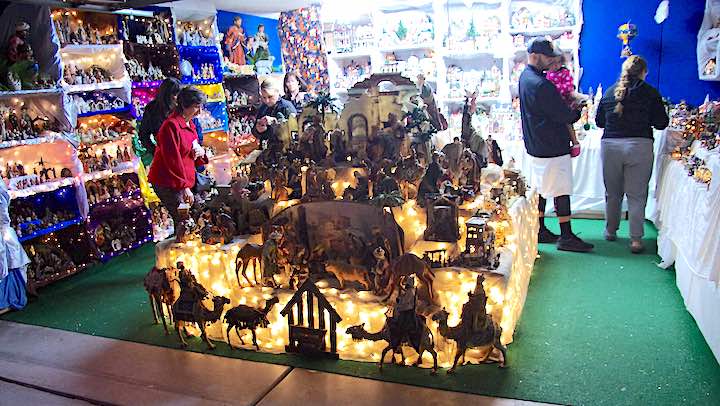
{"x": 173, "y": 165}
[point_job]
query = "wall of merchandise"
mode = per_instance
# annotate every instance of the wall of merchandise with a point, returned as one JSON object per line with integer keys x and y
{"x": 67, "y": 127}
{"x": 456, "y": 45}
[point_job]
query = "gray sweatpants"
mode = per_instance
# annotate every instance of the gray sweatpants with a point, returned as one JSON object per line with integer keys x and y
{"x": 627, "y": 167}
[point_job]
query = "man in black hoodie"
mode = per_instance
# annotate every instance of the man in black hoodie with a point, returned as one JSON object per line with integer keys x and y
{"x": 545, "y": 119}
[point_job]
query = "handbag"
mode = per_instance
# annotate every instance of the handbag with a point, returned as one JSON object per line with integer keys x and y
{"x": 203, "y": 182}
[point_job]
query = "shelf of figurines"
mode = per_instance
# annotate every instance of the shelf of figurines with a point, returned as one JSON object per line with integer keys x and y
{"x": 38, "y": 216}
{"x": 57, "y": 255}
{"x": 115, "y": 231}
{"x": 96, "y": 103}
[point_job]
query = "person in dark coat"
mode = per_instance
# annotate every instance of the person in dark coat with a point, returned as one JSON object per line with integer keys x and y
{"x": 155, "y": 114}
{"x": 545, "y": 118}
{"x": 628, "y": 111}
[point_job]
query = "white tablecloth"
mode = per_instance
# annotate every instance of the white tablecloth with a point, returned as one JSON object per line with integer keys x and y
{"x": 688, "y": 217}
{"x": 588, "y": 189}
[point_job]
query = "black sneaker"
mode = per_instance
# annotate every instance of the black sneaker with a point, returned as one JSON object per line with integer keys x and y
{"x": 546, "y": 236}
{"x": 574, "y": 244}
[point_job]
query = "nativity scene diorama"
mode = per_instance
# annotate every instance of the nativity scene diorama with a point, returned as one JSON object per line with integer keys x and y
{"x": 355, "y": 234}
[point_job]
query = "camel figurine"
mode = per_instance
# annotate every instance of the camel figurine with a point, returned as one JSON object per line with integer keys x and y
{"x": 421, "y": 340}
{"x": 163, "y": 288}
{"x": 189, "y": 307}
{"x": 248, "y": 252}
{"x": 245, "y": 317}
{"x": 406, "y": 265}
{"x": 476, "y": 328}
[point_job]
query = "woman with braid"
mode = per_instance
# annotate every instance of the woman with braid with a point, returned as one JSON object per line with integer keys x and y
{"x": 628, "y": 111}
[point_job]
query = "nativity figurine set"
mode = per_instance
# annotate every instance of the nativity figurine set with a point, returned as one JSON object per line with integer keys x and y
{"x": 538, "y": 16}
{"x": 96, "y": 102}
{"x": 139, "y": 73}
{"x": 238, "y": 98}
{"x": 191, "y": 33}
{"x": 351, "y": 73}
{"x": 18, "y": 68}
{"x": 18, "y": 176}
{"x": 48, "y": 262}
{"x": 25, "y": 219}
{"x": 326, "y": 206}
{"x": 18, "y": 124}
{"x": 205, "y": 73}
{"x": 98, "y": 159}
{"x": 473, "y": 32}
{"x": 155, "y": 30}
{"x": 162, "y": 223}
{"x": 101, "y": 190}
{"x": 487, "y": 82}
{"x": 342, "y": 38}
{"x": 74, "y": 27}
{"x": 104, "y": 128}
{"x": 94, "y": 74}
{"x": 407, "y": 28}
{"x": 114, "y": 235}
{"x": 208, "y": 122}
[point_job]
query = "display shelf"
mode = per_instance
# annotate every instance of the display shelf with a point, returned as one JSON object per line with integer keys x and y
{"x": 30, "y": 92}
{"x": 108, "y": 256}
{"x": 59, "y": 276}
{"x": 409, "y": 47}
{"x": 466, "y": 54}
{"x": 353, "y": 54}
{"x": 115, "y": 84}
{"x": 89, "y": 48}
{"x": 55, "y": 227}
{"x": 118, "y": 199}
{"x": 43, "y": 188}
{"x": 543, "y": 31}
{"x": 45, "y": 139}
{"x": 146, "y": 84}
{"x": 121, "y": 110}
{"x": 124, "y": 167}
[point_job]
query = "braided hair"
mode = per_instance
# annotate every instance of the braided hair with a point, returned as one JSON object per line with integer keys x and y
{"x": 632, "y": 69}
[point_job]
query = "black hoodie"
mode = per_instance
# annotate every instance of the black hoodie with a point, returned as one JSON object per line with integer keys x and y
{"x": 642, "y": 109}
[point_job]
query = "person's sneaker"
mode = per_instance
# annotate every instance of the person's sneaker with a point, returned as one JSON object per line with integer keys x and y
{"x": 546, "y": 236}
{"x": 610, "y": 236}
{"x": 574, "y": 244}
{"x": 636, "y": 246}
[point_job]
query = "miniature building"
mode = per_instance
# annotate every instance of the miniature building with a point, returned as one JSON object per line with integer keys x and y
{"x": 442, "y": 219}
{"x": 305, "y": 337}
{"x": 479, "y": 243}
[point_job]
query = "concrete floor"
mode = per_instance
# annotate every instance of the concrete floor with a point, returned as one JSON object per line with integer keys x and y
{"x": 42, "y": 366}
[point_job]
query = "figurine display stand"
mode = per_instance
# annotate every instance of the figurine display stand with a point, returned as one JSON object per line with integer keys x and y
{"x": 149, "y": 64}
{"x": 79, "y": 60}
{"x": 312, "y": 236}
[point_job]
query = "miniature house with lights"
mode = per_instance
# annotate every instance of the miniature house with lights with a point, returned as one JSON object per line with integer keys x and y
{"x": 479, "y": 243}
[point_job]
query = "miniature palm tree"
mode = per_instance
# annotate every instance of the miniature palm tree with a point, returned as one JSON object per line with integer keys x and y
{"x": 324, "y": 103}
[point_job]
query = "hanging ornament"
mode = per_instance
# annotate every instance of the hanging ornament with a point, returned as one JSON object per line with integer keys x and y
{"x": 626, "y": 33}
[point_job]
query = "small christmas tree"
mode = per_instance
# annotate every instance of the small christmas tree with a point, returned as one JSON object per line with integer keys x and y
{"x": 472, "y": 32}
{"x": 401, "y": 31}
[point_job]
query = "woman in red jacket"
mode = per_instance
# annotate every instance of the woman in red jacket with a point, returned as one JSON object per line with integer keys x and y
{"x": 177, "y": 153}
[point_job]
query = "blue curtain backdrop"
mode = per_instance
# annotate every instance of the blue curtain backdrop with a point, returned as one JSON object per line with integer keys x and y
{"x": 670, "y": 49}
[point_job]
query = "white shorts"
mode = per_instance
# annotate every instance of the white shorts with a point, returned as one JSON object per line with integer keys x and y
{"x": 552, "y": 176}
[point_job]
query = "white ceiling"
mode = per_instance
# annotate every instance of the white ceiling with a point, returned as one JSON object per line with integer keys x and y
{"x": 258, "y": 7}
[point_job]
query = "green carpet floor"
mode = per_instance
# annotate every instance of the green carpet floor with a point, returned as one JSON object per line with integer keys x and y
{"x": 608, "y": 328}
